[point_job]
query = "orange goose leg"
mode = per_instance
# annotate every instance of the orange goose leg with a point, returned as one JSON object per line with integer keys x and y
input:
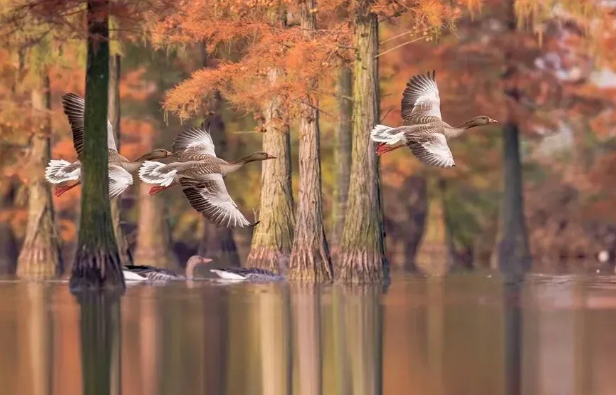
{"x": 61, "y": 190}
{"x": 154, "y": 190}
{"x": 384, "y": 148}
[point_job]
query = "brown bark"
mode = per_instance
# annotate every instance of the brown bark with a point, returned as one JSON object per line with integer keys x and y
{"x": 342, "y": 154}
{"x": 362, "y": 256}
{"x": 273, "y": 236}
{"x": 97, "y": 262}
{"x": 154, "y": 245}
{"x": 310, "y": 260}
{"x": 8, "y": 243}
{"x": 513, "y": 249}
{"x": 40, "y": 254}
{"x": 114, "y": 117}
{"x": 217, "y": 242}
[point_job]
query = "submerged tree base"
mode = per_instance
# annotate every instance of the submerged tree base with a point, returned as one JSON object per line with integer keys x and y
{"x": 310, "y": 264}
{"x": 96, "y": 269}
{"x": 38, "y": 262}
{"x": 359, "y": 266}
{"x": 268, "y": 258}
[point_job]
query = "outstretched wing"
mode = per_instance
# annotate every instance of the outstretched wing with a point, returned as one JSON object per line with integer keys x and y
{"x": 193, "y": 141}
{"x": 119, "y": 180}
{"x": 433, "y": 151}
{"x": 421, "y": 100}
{"x": 74, "y": 108}
{"x": 209, "y": 196}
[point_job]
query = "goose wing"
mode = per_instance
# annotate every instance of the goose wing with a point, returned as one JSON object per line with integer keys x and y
{"x": 193, "y": 141}
{"x": 119, "y": 180}
{"x": 209, "y": 196}
{"x": 421, "y": 101}
{"x": 152, "y": 273}
{"x": 74, "y": 108}
{"x": 433, "y": 151}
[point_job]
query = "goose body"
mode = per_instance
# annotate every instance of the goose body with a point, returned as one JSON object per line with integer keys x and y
{"x": 246, "y": 274}
{"x": 141, "y": 273}
{"x": 120, "y": 168}
{"x": 423, "y": 130}
{"x": 200, "y": 174}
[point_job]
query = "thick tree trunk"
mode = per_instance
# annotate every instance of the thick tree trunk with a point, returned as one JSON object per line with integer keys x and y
{"x": 217, "y": 242}
{"x": 342, "y": 154}
{"x": 40, "y": 253}
{"x": 8, "y": 243}
{"x": 97, "y": 262}
{"x": 273, "y": 237}
{"x": 310, "y": 260}
{"x": 114, "y": 117}
{"x": 513, "y": 249}
{"x": 154, "y": 245}
{"x": 362, "y": 256}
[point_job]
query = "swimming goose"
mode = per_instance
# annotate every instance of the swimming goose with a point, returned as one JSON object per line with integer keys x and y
{"x": 120, "y": 168}
{"x": 200, "y": 174}
{"x": 246, "y": 273}
{"x": 423, "y": 130}
{"x": 157, "y": 274}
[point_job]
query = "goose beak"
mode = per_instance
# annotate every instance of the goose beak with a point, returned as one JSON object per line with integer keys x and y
{"x": 205, "y": 260}
{"x": 169, "y": 153}
{"x": 492, "y": 120}
{"x": 270, "y": 156}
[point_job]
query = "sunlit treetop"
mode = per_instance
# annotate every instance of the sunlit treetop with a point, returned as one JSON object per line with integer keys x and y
{"x": 256, "y": 37}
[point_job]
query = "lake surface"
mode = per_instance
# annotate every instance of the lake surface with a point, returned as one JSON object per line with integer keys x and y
{"x": 463, "y": 334}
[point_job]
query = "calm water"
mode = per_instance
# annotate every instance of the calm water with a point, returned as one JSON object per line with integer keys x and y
{"x": 464, "y": 334}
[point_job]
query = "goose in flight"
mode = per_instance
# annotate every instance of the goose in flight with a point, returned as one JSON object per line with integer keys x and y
{"x": 199, "y": 172}
{"x": 120, "y": 168}
{"x": 423, "y": 130}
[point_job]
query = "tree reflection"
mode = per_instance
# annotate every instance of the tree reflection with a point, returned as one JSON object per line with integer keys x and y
{"x": 307, "y": 307}
{"x": 513, "y": 333}
{"x": 363, "y": 325}
{"x": 100, "y": 342}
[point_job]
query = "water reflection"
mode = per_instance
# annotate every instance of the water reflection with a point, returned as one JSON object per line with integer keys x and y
{"x": 463, "y": 334}
{"x": 100, "y": 342}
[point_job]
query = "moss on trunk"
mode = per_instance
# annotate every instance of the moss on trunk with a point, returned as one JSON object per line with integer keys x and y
{"x": 114, "y": 117}
{"x": 362, "y": 256}
{"x": 342, "y": 154}
{"x": 310, "y": 260}
{"x": 40, "y": 253}
{"x": 97, "y": 262}
{"x": 273, "y": 236}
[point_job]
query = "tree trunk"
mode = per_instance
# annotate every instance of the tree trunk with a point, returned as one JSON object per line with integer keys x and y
{"x": 273, "y": 237}
{"x": 513, "y": 249}
{"x": 8, "y": 243}
{"x": 154, "y": 245}
{"x": 217, "y": 242}
{"x": 362, "y": 256}
{"x": 114, "y": 117}
{"x": 97, "y": 262}
{"x": 342, "y": 154}
{"x": 40, "y": 254}
{"x": 310, "y": 260}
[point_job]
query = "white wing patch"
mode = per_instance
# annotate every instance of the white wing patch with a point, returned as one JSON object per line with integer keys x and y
{"x": 421, "y": 98}
{"x": 56, "y": 172}
{"x": 119, "y": 180}
{"x": 433, "y": 151}
{"x": 193, "y": 140}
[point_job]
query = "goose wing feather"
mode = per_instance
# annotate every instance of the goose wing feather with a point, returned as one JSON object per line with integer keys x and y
{"x": 433, "y": 151}
{"x": 421, "y": 102}
{"x": 74, "y": 108}
{"x": 193, "y": 141}
{"x": 209, "y": 196}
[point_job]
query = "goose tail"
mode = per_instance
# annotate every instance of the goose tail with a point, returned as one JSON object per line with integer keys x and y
{"x": 153, "y": 173}
{"x": 59, "y": 171}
